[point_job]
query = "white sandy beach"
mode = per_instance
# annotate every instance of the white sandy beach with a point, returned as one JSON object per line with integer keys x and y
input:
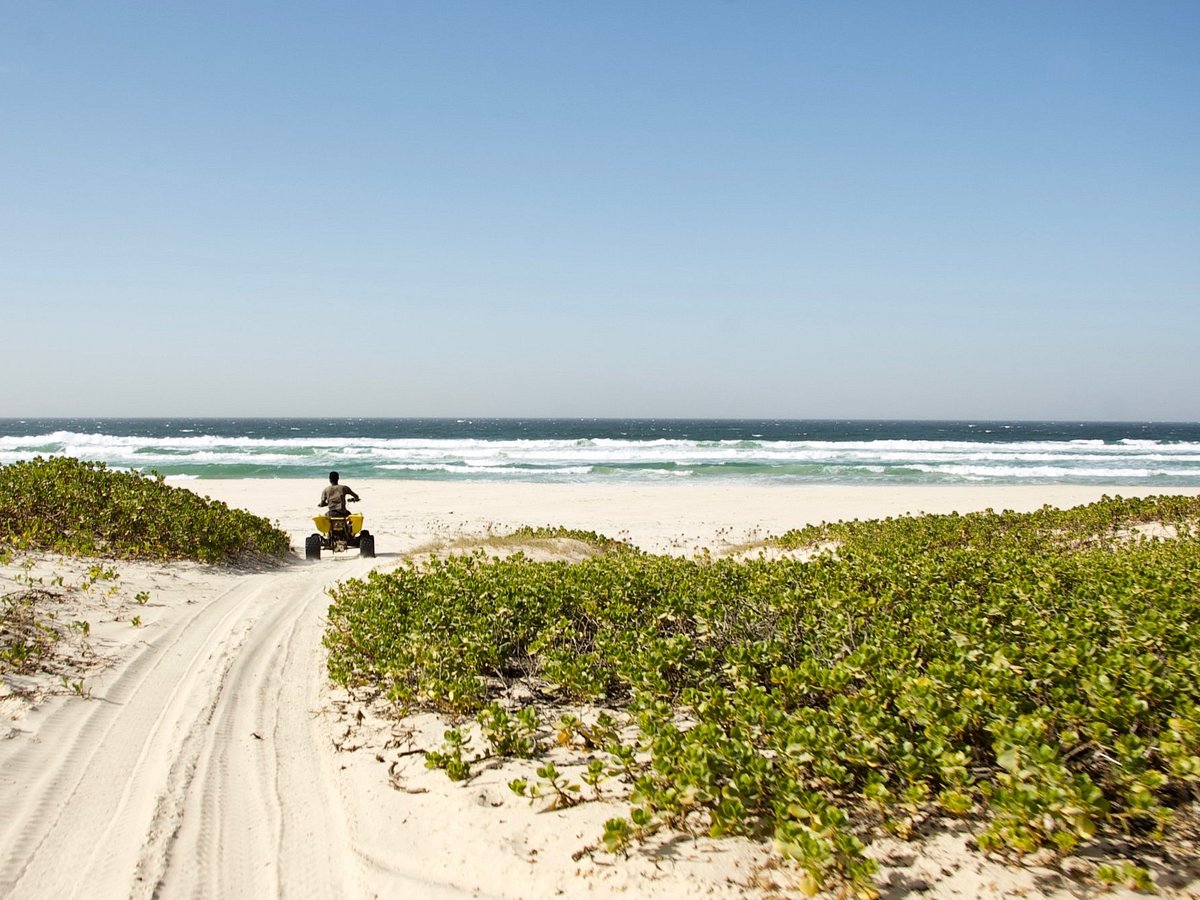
{"x": 210, "y": 757}
{"x": 659, "y": 518}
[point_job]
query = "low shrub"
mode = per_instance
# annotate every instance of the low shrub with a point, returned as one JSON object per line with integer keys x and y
{"x": 84, "y": 508}
{"x": 1039, "y": 673}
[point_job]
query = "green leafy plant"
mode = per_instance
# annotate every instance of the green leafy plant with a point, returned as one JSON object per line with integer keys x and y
{"x": 87, "y": 509}
{"x": 452, "y": 757}
{"x": 1036, "y": 673}
{"x": 510, "y": 735}
{"x": 29, "y": 631}
{"x": 561, "y": 791}
{"x": 1127, "y": 874}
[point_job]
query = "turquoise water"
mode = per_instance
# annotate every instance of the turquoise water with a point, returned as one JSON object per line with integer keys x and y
{"x": 630, "y": 450}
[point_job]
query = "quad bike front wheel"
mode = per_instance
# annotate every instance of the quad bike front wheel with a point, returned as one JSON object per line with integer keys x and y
{"x": 312, "y": 547}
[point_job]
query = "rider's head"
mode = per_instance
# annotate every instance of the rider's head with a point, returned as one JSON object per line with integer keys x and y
{"x": 333, "y": 477}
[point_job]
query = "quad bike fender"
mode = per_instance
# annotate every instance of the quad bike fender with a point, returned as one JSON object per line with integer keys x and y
{"x": 323, "y": 526}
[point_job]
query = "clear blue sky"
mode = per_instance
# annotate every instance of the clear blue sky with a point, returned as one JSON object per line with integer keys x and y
{"x": 801, "y": 209}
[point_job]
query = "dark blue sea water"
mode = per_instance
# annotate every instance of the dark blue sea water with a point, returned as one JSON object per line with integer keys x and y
{"x": 640, "y": 450}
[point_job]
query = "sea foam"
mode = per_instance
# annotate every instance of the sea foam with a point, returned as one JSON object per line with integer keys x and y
{"x": 281, "y": 452}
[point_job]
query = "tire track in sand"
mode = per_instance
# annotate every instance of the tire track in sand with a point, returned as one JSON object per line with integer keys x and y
{"x": 202, "y": 770}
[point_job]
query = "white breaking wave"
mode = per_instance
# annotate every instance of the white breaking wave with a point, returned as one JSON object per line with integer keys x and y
{"x": 928, "y": 460}
{"x": 976, "y": 473}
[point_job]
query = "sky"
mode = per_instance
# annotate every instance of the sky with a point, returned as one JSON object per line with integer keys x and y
{"x": 715, "y": 208}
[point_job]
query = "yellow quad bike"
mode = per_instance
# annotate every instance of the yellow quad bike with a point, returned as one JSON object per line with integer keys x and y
{"x": 339, "y": 533}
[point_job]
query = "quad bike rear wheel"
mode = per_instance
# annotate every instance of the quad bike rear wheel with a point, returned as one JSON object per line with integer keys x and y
{"x": 312, "y": 547}
{"x": 366, "y": 544}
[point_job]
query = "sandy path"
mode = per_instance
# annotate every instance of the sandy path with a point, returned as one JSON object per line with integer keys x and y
{"x": 200, "y": 768}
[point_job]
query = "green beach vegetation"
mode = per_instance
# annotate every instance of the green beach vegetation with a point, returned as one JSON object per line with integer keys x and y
{"x": 78, "y": 508}
{"x": 84, "y": 509}
{"x": 1035, "y": 675}
{"x": 35, "y": 638}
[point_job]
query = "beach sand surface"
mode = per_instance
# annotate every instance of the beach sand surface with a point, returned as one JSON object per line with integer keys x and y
{"x": 676, "y": 518}
{"x": 194, "y": 747}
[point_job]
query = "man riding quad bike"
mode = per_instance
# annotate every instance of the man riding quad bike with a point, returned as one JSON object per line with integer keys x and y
{"x": 339, "y": 529}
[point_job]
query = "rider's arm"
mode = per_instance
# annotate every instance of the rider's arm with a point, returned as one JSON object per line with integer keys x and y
{"x": 352, "y": 494}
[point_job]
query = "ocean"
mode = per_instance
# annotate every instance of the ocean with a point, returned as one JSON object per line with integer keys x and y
{"x": 627, "y": 450}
